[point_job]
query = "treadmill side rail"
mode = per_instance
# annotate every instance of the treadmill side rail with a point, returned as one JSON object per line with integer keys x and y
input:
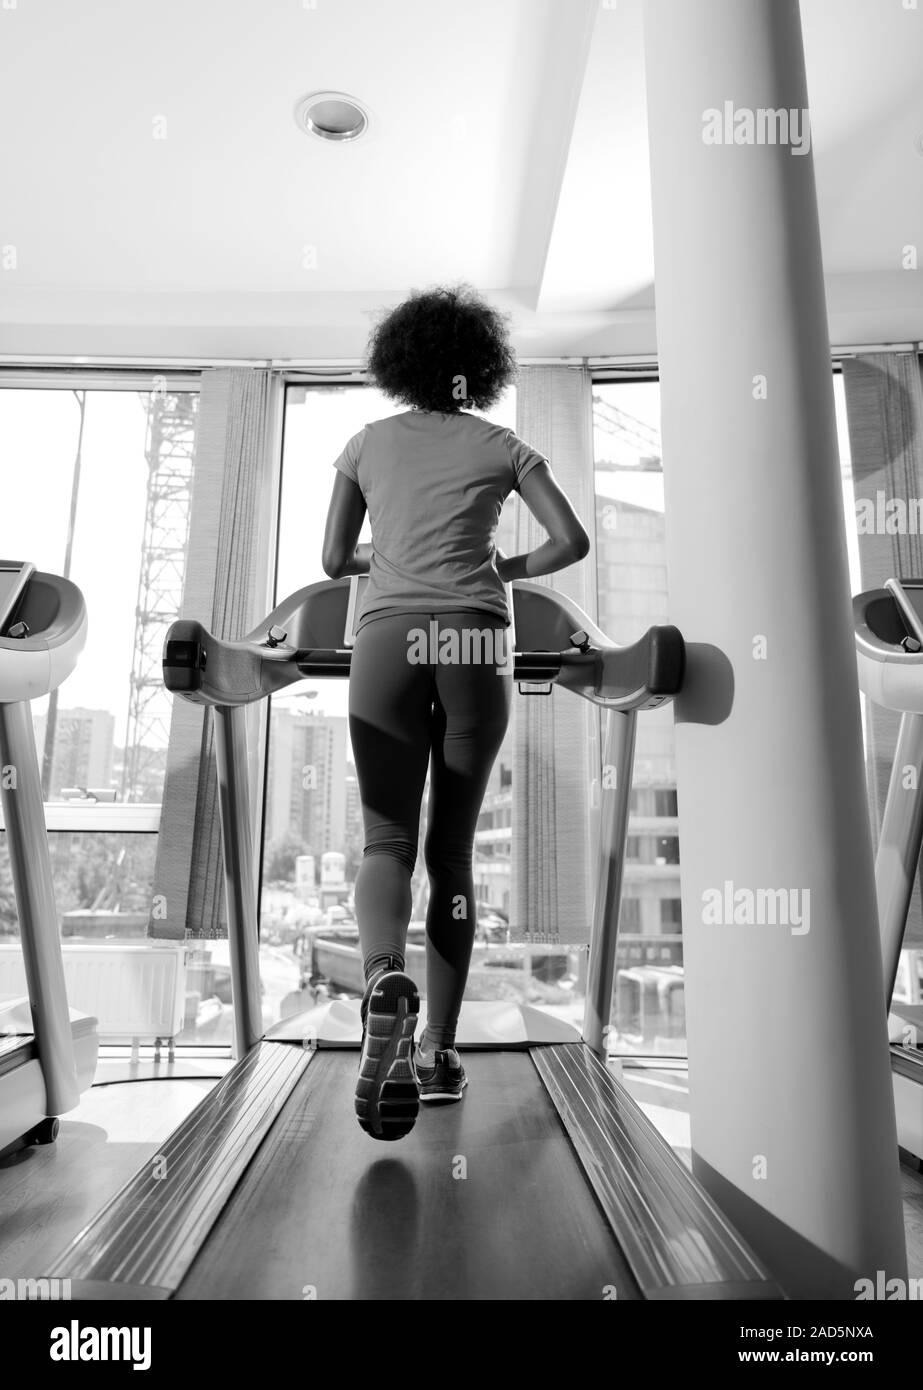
{"x": 147, "y": 1236}
{"x": 677, "y": 1242}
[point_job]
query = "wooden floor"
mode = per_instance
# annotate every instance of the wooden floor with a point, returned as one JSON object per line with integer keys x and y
{"x": 483, "y": 1200}
{"x": 47, "y": 1194}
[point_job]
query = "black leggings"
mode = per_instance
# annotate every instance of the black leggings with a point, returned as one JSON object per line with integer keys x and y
{"x": 404, "y": 714}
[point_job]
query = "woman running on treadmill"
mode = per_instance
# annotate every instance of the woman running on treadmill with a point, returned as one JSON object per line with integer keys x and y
{"x": 431, "y": 672}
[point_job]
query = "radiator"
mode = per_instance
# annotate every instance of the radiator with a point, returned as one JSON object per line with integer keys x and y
{"x": 136, "y": 989}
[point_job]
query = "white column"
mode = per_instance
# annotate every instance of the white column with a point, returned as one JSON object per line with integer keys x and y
{"x": 792, "y": 1109}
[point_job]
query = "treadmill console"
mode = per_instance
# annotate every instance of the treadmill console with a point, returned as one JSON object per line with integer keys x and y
{"x": 14, "y": 580}
{"x": 908, "y": 595}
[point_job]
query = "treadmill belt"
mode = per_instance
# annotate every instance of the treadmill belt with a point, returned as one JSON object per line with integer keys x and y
{"x": 483, "y": 1200}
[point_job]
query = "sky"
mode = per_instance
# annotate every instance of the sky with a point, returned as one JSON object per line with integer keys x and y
{"x": 38, "y": 441}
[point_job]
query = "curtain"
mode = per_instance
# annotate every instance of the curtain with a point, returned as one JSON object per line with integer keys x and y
{"x": 227, "y": 587}
{"x": 884, "y": 406}
{"x": 555, "y": 738}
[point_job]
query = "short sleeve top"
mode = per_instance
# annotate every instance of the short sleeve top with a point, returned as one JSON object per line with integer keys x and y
{"x": 434, "y": 485}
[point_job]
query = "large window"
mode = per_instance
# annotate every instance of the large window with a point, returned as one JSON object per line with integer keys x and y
{"x": 96, "y": 488}
{"x": 648, "y": 1013}
{"x": 100, "y": 491}
{"x": 633, "y": 594}
{"x": 313, "y": 825}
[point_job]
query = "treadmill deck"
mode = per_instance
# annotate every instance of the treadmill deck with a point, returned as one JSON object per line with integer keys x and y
{"x": 546, "y": 1182}
{"x": 482, "y": 1200}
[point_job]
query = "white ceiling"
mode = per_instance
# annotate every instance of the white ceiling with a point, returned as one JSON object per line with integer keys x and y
{"x": 508, "y": 147}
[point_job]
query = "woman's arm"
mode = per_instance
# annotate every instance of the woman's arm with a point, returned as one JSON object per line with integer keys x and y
{"x": 551, "y": 507}
{"x": 341, "y": 554}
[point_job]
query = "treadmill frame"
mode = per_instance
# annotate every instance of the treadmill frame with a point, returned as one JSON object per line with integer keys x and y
{"x": 676, "y": 1241}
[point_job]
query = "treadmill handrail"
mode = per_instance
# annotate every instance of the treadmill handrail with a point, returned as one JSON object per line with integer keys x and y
{"x": 207, "y": 669}
{"x": 641, "y": 676}
{"x": 306, "y": 636}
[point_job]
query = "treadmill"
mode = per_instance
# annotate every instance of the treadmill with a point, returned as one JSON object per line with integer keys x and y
{"x": 889, "y": 649}
{"x": 47, "y": 1052}
{"x": 546, "y": 1182}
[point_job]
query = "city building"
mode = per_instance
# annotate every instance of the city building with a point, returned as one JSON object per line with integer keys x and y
{"x": 83, "y": 749}
{"x": 632, "y": 580}
{"x": 306, "y": 791}
{"x": 493, "y": 837}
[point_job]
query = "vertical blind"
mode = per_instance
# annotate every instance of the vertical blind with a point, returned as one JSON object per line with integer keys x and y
{"x": 555, "y": 738}
{"x": 227, "y": 589}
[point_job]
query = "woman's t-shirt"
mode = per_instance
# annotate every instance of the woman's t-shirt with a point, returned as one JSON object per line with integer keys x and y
{"x": 434, "y": 485}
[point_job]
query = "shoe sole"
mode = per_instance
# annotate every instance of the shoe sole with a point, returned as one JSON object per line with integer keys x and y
{"x": 387, "y": 1100}
{"x": 440, "y": 1097}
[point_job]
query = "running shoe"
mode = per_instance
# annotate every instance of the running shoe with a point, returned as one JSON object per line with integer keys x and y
{"x": 444, "y": 1080}
{"x": 387, "y": 1101}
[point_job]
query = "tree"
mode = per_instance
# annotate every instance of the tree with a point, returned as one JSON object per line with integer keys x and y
{"x": 279, "y": 865}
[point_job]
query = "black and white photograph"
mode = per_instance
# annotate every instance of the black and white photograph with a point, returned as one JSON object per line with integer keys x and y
{"x": 461, "y": 679}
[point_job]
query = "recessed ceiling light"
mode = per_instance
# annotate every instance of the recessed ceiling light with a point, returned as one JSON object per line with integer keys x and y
{"x": 331, "y": 116}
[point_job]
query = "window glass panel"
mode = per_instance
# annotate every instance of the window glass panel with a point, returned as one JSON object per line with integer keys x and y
{"x": 102, "y": 882}
{"x": 313, "y": 832}
{"x": 633, "y": 595}
{"x": 313, "y": 825}
{"x": 100, "y": 493}
{"x": 648, "y": 1012}
{"x": 908, "y": 986}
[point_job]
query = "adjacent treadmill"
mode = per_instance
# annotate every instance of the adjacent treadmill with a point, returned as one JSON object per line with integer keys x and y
{"x": 889, "y": 647}
{"x": 47, "y": 1052}
{"x": 546, "y": 1182}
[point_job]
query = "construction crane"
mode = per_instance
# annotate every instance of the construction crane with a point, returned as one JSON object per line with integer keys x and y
{"x": 169, "y": 452}
{"x": 642, "y": 440}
